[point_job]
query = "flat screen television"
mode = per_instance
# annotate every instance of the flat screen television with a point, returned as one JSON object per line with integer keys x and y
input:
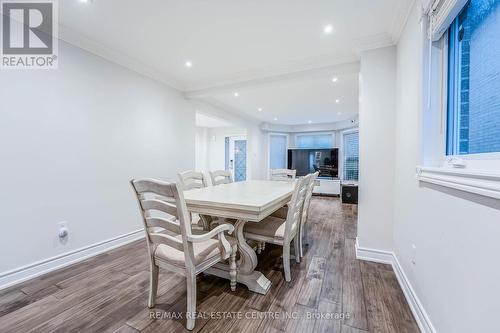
{"x": 311, "y": 160}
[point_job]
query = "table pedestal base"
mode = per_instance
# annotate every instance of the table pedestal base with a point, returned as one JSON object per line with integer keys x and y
{"x": 256, "y": 281}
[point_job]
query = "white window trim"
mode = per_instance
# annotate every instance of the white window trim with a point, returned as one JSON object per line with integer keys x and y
{"x": 473, "y": 173}
{"x": 269, "y": 150}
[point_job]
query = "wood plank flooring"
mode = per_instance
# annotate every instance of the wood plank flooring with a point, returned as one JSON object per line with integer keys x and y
{"x": 330, "y": 291}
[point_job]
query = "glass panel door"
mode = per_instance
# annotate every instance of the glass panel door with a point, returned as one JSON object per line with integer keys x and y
{"x": 236, "y": 157}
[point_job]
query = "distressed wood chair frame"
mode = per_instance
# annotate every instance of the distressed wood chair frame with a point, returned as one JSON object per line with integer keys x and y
{"x": 292, "y": 225}
{"x": 221, "y": 177}
{"x": 283, "y": 174}
{"x": 161, "y": 198}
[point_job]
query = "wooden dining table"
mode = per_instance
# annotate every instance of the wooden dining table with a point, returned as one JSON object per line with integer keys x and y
{"x": 249, "y": 201}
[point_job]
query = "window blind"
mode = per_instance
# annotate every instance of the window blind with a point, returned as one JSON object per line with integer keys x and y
{"x": 441, "y": 14}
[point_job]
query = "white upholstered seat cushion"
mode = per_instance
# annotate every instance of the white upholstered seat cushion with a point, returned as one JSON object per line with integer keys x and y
{"x": 271, "y": 226}
{"x": 202, "y": 251}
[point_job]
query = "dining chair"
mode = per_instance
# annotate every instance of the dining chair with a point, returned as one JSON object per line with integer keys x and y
{"x": 305, "y": 212}
{"x": 221, "y": 177}
{"x": 192, "y": 179}
{"x": 283, "y": 174}
{"x": 174, "y": 246}
{"x": 283, "y": 211}
{"x": 282, "y": 231}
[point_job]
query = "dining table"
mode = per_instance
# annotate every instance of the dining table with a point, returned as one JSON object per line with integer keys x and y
{"x": 249, "y": 201}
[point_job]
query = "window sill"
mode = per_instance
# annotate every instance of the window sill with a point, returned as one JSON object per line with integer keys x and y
{"x": 480, "y": 182}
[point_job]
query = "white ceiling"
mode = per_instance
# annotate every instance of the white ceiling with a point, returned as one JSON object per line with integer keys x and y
{"x": 296, "y": 102}
{"x": 204, "y": 120}
{"x": 233, "y": 42}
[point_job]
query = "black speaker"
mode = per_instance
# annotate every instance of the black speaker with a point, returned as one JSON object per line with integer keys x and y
{"x": 350, "y": 194}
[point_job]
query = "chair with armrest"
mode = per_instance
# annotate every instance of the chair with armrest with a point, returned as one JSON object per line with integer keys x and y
{"x": 173, "y": 246}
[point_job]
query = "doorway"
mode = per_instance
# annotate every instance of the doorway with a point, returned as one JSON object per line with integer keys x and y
{"x": 236, "y": 157}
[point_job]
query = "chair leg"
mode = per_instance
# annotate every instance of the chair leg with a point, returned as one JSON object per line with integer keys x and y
{"x": 259, "y": 248}
{"x": 301, "y": 240}
{"x": 286, "y": 262}
{"x": 232, "y": 269}
{"x": 153, "y": 285}
{"x": 191, "y": 300}
{"x": 296, "y": 244}
{"x": 263, "y": 246}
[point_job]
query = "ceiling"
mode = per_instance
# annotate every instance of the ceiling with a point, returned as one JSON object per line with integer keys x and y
{"x": 204, "y": 120}
{"x": 237, "y": 44}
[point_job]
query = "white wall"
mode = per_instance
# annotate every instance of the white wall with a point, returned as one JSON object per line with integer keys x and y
{"x": 456, "y": 273}
{"x": 376, "y": 148}
{"x": 212, "y": 148}
{"x": 71, "y": 139}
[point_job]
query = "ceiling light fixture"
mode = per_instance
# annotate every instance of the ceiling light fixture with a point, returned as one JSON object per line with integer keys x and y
{"x": 334, "y": 79}
{"x": 309, "y": 122}
{"x": 339, "y": 113}
{"x": 328, "y": 29}
{"x": 236, "y": 94}
{"x": 337, "y": 101}
{"x": 275, "y": 118}
{"x": 189, "y": 64}
{"x": 260, "y": 109}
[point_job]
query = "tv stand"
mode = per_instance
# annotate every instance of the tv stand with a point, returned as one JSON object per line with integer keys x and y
{"x": 327, "y": 186}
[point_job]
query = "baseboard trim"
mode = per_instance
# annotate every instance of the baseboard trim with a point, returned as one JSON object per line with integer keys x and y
{"x": 21, "y": 274}
{"x": 387, "y": 257}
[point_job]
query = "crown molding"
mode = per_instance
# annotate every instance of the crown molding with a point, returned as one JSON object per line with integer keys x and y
{"x": 338, "y": 69}
{"x": 400, "y": 18}
{"x": 76, "y": 39}
{"x": 371, "y": 42}
{"x": 351, "y": 122}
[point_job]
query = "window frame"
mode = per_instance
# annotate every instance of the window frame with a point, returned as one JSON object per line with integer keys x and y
{"x": 342, "y": 152}
{"x": 331, "y": 134}
{"x": 474, "y": 173}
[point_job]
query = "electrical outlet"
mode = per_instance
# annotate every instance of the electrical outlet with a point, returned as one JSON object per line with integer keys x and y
{"x": 63, "y": 230}
{"x": 413, "y": 258}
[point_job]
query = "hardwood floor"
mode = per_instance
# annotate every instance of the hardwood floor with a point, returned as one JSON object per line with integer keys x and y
{"x": 330, "y": 291}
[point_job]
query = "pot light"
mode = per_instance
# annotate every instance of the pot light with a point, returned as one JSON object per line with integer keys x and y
{"x": 328, "y": 29}
{"x": 189, "y": 64}
{"x": 309, "y": 122}
{"x": 335, "y": 79}
{"x": 339, "y": 113}
{"x": 236, "y": 94}
{"x": 260, "y": 109}
{"x": 275, "y": 118}
{"x": 337, "y": 101}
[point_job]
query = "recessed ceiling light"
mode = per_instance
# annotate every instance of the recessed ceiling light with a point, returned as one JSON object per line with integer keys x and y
{"x": 328, "y": 29}
{"x": 309, "y": 122}
{"x": 334, "y": 79}
{"x": 260, "y": 109}
{"x": 275, "y": 118}
{"x": 236, "y": 94}
{"x": 339, "y": 113}
{"x": 189, "y": 64}
{"x": 337, "y": 101}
